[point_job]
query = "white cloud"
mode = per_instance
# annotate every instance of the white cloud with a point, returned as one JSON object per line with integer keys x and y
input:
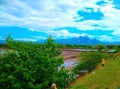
{"x": 26, "y": 39}
{"x": 111, "y": 18}
{"x": 46, "y": 15}
{"x": 0, "y": 38}
{"x": 116, "y": 33}
{"x": 39, "y": 37}
{"x": 106, "y": 38}
{"x": 41, "y": 14}
{"x": 63, "y": 33}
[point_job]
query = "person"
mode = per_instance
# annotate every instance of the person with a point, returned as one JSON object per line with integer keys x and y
{"x": 103, "y": 62}
{"x": 53, "y": 86}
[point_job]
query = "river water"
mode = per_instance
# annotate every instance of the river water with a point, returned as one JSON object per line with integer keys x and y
{"x": 70, "y": 58}
{"x": 2, "y": 51}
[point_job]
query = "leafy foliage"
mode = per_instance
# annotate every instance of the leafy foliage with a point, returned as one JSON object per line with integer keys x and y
{"x": 2, "y": 46}
{"x": 117, "y": 48}
{"x": 99, "y": 47}
{"x": 89, "y": 61}
{"x": 32, "y": 66}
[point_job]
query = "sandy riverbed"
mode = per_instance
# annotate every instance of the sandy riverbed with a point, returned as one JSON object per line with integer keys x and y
{"x": 70, "y": 58}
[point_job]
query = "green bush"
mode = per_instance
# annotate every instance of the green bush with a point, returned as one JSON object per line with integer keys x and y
{"x": 32, "y": 66}
{"x": 89, "y": 61}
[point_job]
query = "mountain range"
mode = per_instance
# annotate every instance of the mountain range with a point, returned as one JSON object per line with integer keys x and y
{"x": 77, "y": 41}
{"x": 80, "y": 40}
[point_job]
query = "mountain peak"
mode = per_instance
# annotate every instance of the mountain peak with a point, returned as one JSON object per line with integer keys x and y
{"x": 83, "y": 40}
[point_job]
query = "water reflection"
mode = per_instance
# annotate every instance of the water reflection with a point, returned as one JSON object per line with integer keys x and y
{"x": 2, "y": 51}
{"x": 67, "y": 64}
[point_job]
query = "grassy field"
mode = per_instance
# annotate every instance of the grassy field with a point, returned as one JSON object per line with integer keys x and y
{"x": 107, "y": 77}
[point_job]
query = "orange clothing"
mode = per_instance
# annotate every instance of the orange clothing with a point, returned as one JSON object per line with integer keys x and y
{"x": 103, "y": 61}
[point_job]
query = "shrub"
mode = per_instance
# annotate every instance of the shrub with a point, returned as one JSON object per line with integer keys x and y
{"x": 32, "y": 66}
{"x": 89, "y": 61}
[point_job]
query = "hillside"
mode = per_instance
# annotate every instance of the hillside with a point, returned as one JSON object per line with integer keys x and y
{"x": 80, "y": 40}
{"x": 102, "y": 78}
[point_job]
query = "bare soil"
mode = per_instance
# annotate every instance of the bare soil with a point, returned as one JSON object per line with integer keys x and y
{"x": 70, "y": 57}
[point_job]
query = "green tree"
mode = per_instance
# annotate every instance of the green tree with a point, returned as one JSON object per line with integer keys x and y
{"x": 29, "y": 65}
{"x": 99, "y": 47}
{"x": 117, "y": 48}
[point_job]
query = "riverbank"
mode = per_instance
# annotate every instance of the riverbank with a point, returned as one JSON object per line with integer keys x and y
{"x": 106, "y": 77}
{"x": 70, "y": 58}
{"x": 2, "y": 51}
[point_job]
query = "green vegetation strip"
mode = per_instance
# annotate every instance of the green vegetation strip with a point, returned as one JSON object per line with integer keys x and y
{"x": 107, "y": 77}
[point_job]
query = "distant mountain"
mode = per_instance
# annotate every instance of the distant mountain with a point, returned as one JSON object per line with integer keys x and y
{"x": 84, "y": 41}
{"x": 80, "y": 40}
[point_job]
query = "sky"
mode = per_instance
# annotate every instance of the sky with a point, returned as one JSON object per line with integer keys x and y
{"x": 37, "y": 19}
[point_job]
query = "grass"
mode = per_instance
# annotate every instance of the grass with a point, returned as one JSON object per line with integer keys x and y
{"x": 107, "y": 77}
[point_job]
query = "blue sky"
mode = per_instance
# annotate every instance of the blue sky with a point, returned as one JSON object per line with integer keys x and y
{"x": 37, "y": 19}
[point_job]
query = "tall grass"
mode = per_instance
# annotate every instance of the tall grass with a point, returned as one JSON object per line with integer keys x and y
{"x": 89, "y": 60}
{"x": 107, "y": 77}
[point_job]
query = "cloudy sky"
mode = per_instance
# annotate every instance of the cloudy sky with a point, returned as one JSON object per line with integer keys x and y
{"x": 37, "y": 19}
